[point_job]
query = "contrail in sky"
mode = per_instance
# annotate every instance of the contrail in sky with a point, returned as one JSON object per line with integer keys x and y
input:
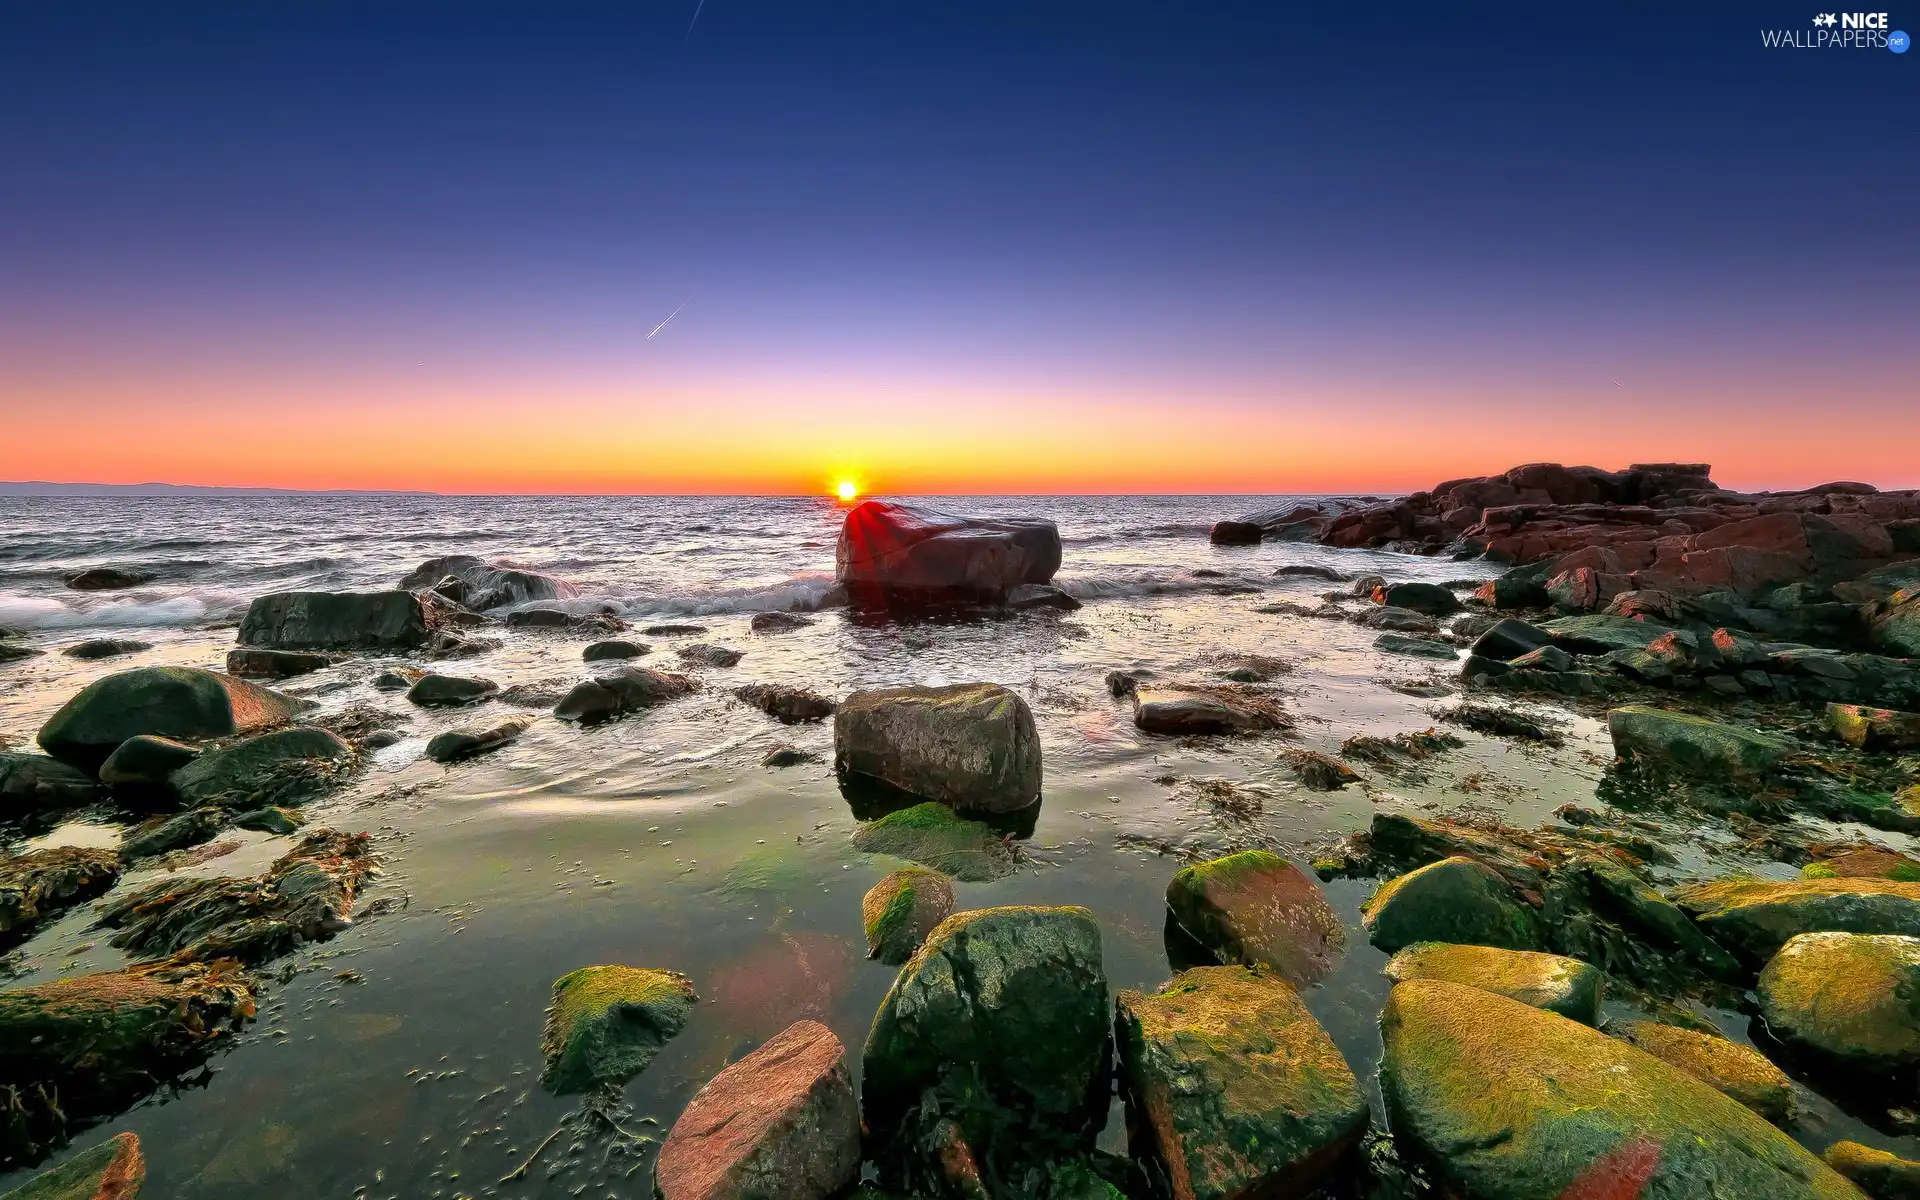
{"x": 691, "y": 24}
{"x": 670, "y": 316}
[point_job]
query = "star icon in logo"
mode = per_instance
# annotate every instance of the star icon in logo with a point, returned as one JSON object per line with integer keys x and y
{"x": 1826, "y": 19}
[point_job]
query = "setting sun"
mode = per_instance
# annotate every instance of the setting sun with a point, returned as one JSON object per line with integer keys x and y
{"x": 848, "y": 489}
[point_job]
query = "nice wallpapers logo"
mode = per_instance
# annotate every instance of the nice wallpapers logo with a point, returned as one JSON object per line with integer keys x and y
{"x": 1840, "y": 31}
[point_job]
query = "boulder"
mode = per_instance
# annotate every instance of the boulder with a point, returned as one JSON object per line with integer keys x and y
{"x": 606, "y": 1024}
{"x": 44, "y": 883}
{"x": 107, "y": 579}
{"x": 971, "y": 746}
{"x": 788, "y": 705}
{"x": 1310, "y": 571}
{"x": 901, "y": 910}
{"x": 1418, "y": 647}
{"x": 481, "y": 585}
{"x": 1232, "y": 1088}
{"x": 1739, "y": 1071}
{"x": 932, "y": 835}
{"x": 177, "y": 832}
{"x": 457, "y": 744}
{"x": 781, "y": 1122}
{"x": 276, "y": 664}
{"x": 1693, "y": 745}
{"x": 339, "y": 620}
{"x": 29, "y": 782}
{"x": 146, "y": 761}
{"x": 1454, "y": 900}
{"x": 1234, "y": 533}
{"x": 440, "y": 691}
{"x": 1896, "y": 631}
{"x": 560, "y": 618}
{"x": 1428, "y": 598}
{"x": 286, "y": 766}
{"x": 1847, "y": 999}
{"x": 174, "y": 702}
{"x": 1757, "y": 917}
{"x": 1509, "y": 1102}
{"x": 98, "y": 648}
{"x": 999, "y": 1023}
{"x": 1257, "y": 908}
{"x": 613, "y": 649}
{"x": 778, "y": 622}
{"x": 617, "y": 693}
{"x": 1560, "y": 985}
{"x": 1192, "y": 712}
{"x": 702, "y": 655}
{"x": 1880, "y": 1175}
{"x": 892, "y": 554}
{"x": 1866, "y": 728}
{"x": 113, "y": 1170}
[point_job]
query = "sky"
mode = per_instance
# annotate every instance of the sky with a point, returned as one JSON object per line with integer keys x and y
{"x": 949, "y": 247}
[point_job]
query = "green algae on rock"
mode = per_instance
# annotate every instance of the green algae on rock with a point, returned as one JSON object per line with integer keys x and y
{"x": 1550, "y": 981}
{"x": 1691, "y": 744}
{"x": 113, "y": 1170}
{"x": 1757, "y": 917}
{"x": 288, "y": 766}
{"x": 1257, "y": 908}
{"x": 1232, "y": 1088}
{"x": 1881, "y": 1175}
{"x": 44, "y": 883}
{"x": 901, "y": 910}
{"x": 1866, "y": 728}
{"x": 1510, "y": 1102}
{"x": 1740, "y": 1071}
{"x": 970, "y": 746}
{"x": 1456, "y": 900}
{"x": 175, "y": 702}
{"x": 933, "y": 836}
{"x": 1850, "y": 999}
{"x": 999, "y": 1025}
{"x": 606, "y": 1023}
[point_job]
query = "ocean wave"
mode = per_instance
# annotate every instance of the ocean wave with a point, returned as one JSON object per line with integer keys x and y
{"x": 1114, "y": 585}
{"x": 799, "y": 593}
{"x": 1140, "y": 534}
{"x": 187, "y": 608}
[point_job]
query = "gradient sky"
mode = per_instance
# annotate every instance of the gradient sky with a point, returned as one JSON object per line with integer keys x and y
{"x": 948, "y": 247}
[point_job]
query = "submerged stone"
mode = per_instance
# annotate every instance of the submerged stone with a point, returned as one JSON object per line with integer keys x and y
{"x": 901, "y": 910}
{"x": 174, "y": 702}
{"x": 1455, "y": 900}
{"x": 286, "y": 766}
{"x": 1850, "y": 999}
{"x": 44, "y": 883}
{"x": 113, "y": 1170}
{"x": 701, "y": 654}
{"x": 1552, "y": 982}
{"x": 275, "y": 664}
{"x": 1321, "y": 772}
{"x": 1257, "y": 908}
{"x": 606, "y": 1023}
{"x": 457, "y": 744}
{"x": 789, "y": 705}
{"x": 97, "y": 648}
{"x": 1740, "y": 1071}
{"x": 1418, "y": 647}
{"x": 1232, "y": 1088}
{"x": 1757, "y": 917}
{"x": 618, "y": 693}
{"x": 1693, "y": 744}
{"x": 970, "y": 746}
{"x": 431, "y": 691}
{"x": 934, "y": 836}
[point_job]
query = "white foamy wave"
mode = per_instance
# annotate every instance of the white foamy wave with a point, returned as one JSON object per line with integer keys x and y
{"x": 187, "y": 608}
{"x": 1109, "y": 585}
{"x": 800, "y": 593}
{"x": 1142, "y": 533}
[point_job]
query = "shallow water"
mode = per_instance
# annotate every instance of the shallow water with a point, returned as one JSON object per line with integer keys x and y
{"x": 401, "y": 1058}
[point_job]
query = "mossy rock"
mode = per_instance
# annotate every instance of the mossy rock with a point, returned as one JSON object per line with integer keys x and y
{"x": 174, "y": 702}
{"x": 933, "y": 835}
{"x": 1850, "y": 999}
{"x": 1865, "y": 862}
{"x": 1456, "y": 900}
{"x": 1867, "y": 728}
{"x": 1257, "y": 908}
{"x": 1880, "y": 1175}
{"x": 44, "y": 883}
{"x": 901, "y": 910}
{"x": 1557, "y": 984}
{"x": 1233, "y": 1089}
{"x": 113, "y": 1170}
{"x": 1739, "y": 1071}
{"x": 1693, "y": 745}
{"x": 1510, "y": 1102}
{"x": 971, "y": 746}
{"x": 606, "y": 1023}
{"x": 174, "y": 833}
{"x": 1757, "y": 917}
{"x": 286, "y": 766}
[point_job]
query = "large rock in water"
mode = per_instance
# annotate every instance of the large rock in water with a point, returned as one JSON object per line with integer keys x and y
{"x": 1513, "y": 1103}
{"x": 1560, "y": 985}
{"x": 998, "y": 1024}
{"x": 617, "y": 693}
{"x": 781, "y": 1122}
{"x": 176, "y": 702}
{"x": 1257, "y": 908}
{"x": 1692, "y": 744}
{"x": 286, "y": 766}
{"x": 482, "y": 585}
{"x": 113, "y": 1170}
{"x": 606, "y": 1024}
{"x": 1850, "y": 999}
{"x": 338, "y": 620}
{"x": 1740, "y": 1071}
{"x": 1880, "y": 1175}
{"x": 971, "y": 746}
{"x": 1454, "y": 900}
{"x": 1757, "y": 917}
{"x": 892, "y": 554}
{"x": 901, "y": 910}
{"x": 1232, "y": 1088}
{"x": 35, "y": 781}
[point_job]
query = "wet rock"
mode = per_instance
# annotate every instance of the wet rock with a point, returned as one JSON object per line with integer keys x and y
{"x": 174, "y": 833}
{"x": 1846, "y": 999}
{"x": 1736, "y": 1070}
{"x": 1397, "y": 620}
{"x": 893, "y": 554}
{"x": 175, "y": 702}
{"x": 12, "y": 652}
{"x": 1500, "y": 722}
{"x": 1040, "y": 595}
{"x": 787, "y": 755}
{"x": 971, "y": 746}
{"x": 1546, "y": 658}
{"x": 1257, "y": 908}
{"x": 276, "y": 664}
{"x": 457, "y": 744}
{"x": 431, "y": 691}
{"x": 613, "y": 649}
{"x": 901, "y": 910}
{"x": 107, "y": 579}
{"x": 287, "y": 766}
{"x": 1757, "y": 917}
{"x": 306, "y": 896}
{"x": 1862, "y": 862}
{"x": 618, "y": 693}
{"x": 673, "y": 630}
{"x": 1120, "y": 683}
{"x": 380, "y": 739}
{"x": 702, "y": 655}
{"x": 30, "y": 782}
{"x": 339, "y": 620}
{"x": 448, "y": 644}
{"x": 1454, "y": 900}
{"x": 1195, "y": 711}
{"x": 1418, "y": 647}
{"x": 1866, "y": 728}
{"x": 1602, "y": 633}
{"x": 1510, "y": 639}
{"x": 96, "y": 648}
{"x": 1510, "y": 1102}
{"x": 270, "y": 820}
{"x": 1428, "y": 598}
{"x": 44, "y": 883}
{"x": 481, "y": 585}
{"x": 397, "y": 679}
{"x": 75, "y": 1050}
{"x": 999, "y": 1023}
{"x": 782, "y": 1121}
{"x": 1232, "y": 1087}
{"x": 606, "y": 1023}
{"x": 113, "y": 1170}
{"x": 932, "y": 835}
{"x": 1321, "y": 772}
{"x": 1310, "y": 571}
{"x": 778, "y": 622}
{"x": 1552, "y": 982}
{"x": 1693, "y": 744}
{"x": 1400, "y": 749}
{"x": 788, "y": 705}
{"x": 1880, "y": 1175}
{"x": 1234, "y": 533}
